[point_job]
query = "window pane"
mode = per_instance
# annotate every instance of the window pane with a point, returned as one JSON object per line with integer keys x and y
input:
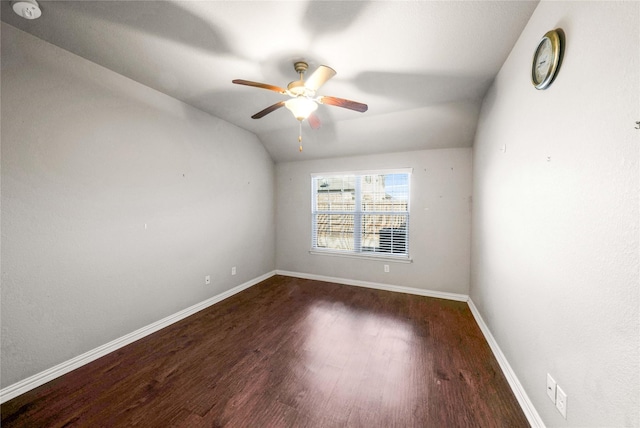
{"x": 335, "y": 193}
{"x": 334, "y": 231}
{"x": 385, "y": 233}
{"x": 385, "y": 192}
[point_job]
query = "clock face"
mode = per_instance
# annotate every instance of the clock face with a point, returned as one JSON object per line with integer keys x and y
{"x": 543, "y": 59}
{"x": 546, "y": 60}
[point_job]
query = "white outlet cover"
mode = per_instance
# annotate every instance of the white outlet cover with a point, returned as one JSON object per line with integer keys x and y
{"x": 561, "y": 401}
{"x": 551, "y": 388}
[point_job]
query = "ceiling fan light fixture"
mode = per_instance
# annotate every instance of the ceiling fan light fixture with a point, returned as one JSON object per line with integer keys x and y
{"x": 301, "y": 107}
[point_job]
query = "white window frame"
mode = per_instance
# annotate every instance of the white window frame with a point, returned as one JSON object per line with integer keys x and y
{"x": 358, "y": 252}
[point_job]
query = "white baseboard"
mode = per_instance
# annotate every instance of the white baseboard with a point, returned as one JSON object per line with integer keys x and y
{"x": 378, "y": 286}
{"x": 523, "y": 399}
{"x": 45, "y": 376}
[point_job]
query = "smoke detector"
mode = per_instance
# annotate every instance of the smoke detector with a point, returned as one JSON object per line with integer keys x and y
{"x": 27, "y": 9}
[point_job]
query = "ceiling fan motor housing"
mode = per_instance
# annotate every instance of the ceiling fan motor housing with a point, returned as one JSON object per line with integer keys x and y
{"x": 297, "y": 88}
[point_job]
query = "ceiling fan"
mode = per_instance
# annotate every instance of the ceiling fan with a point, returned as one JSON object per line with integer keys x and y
{"x": 303, "y": 101}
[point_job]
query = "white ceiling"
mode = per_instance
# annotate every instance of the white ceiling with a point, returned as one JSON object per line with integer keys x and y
{"x": 421, "y": 66}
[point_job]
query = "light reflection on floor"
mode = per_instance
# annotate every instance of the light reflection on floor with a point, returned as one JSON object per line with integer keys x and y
{"x": 352, "y": 357}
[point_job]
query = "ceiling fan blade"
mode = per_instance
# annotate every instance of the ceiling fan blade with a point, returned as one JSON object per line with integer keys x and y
{"x": 314, "y": 121}
{"x": 259, "y": 85}
{"x": 319, "y": 77}
{"x": 341, "y": 102}
{"x": 268, "y": 110}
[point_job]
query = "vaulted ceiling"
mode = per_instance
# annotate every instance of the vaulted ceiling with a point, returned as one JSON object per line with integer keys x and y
{"x": 422, "y": 67}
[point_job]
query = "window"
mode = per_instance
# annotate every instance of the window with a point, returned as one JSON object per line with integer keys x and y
{"x": 365, "y": 214}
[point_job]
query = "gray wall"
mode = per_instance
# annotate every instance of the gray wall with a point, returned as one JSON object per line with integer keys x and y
{"x": 555, "y": 248}
{"x": 88, "y": 158}
{"x": 440, "y": 221}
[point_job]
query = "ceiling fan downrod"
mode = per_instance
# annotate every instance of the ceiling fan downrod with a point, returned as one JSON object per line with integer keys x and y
{"x": 301, "y": 67}
{"x": 297, "y": 87}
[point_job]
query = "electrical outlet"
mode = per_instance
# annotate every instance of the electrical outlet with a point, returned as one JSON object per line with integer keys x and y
{"x": 551, "y": 388}
{"x": 386, "y": 268}
{"x": 233, "y": 270}
{"x": 207, "y": 280}
{"x": 561, "y": 401}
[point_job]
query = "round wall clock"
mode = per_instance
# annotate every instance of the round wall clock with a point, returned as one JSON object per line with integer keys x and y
{"x": 546, "y": 60}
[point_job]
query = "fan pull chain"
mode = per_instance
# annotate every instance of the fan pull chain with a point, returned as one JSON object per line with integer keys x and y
{"x": 300, "y": 136}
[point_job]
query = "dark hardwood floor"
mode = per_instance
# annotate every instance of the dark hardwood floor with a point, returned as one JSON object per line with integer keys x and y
{"x": 290, "y": 352}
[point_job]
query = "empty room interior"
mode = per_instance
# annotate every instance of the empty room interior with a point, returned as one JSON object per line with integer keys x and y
{"x": 320, "y": 213}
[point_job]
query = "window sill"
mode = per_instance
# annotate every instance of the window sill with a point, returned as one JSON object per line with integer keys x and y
{"x": 390, "y": 259}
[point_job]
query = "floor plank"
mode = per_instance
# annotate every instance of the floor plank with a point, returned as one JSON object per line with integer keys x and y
{"x": 290, "y": 352}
